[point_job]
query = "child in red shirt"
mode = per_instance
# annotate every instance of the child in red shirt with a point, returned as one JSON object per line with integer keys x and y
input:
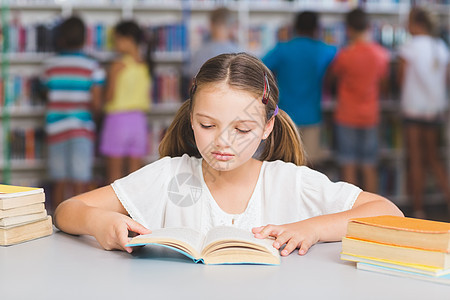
{"x": 359, "y": 68}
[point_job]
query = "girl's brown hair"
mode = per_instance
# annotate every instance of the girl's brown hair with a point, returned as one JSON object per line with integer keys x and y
{"x": 244, "y": 72}
{"x": 423, "y": 18}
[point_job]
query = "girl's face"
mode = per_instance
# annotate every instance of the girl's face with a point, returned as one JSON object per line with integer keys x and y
{"x": 123, "y": 44}
{"x": 228, "y": 125}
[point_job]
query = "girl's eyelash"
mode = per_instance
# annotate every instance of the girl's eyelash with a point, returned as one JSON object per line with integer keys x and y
{"x": 240, "y": 130}
{"x": 243, "y": 131}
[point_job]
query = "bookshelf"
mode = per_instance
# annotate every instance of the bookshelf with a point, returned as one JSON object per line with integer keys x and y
{"x": 179, "y": 26}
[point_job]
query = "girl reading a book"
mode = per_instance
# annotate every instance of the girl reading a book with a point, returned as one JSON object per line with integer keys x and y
{"x": 210, "y": 173}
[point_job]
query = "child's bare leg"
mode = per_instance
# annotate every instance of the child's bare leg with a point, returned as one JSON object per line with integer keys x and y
{"x": 80, "y": 187}
{"x": 370, "y": 178}
{"x": 115, "y": 168}
{"x": 433, "y": 156}
{"x": 416, "y": 169}
{"x": 134, "y": 164}
{"x": 349, "y": 173}
{"x": 58, "y": 193}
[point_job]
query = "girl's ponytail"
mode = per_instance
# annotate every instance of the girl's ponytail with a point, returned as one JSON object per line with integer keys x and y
{"x": 179, "y": 138}
{"x": 148, "y": 55}
{"x": 284, "y": 143}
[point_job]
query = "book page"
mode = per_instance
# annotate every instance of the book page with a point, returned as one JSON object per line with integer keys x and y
{"x": 233, "y": 234}
{"x": 167, "y": 236}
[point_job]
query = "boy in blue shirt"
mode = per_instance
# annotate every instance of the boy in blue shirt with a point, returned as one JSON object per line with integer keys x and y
{"x": 300, "y": 65}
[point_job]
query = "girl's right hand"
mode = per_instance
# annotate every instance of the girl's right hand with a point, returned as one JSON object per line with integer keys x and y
{"x": 112, "y": 228}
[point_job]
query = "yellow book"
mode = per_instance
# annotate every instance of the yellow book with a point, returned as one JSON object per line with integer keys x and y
{"x": 444, "y": 279}
{"x": 426, "y": 270}
{"x": 221, "y": 245}
{"x": 400, "y": 231}
{"x": 398, "y": 254}
{"x": 16, "y": 196}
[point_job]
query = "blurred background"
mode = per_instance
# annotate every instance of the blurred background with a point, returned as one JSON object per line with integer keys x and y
{"x": 175, "y": 31}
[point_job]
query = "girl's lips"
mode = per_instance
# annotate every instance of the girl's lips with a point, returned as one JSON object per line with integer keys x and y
{"x": 222, "y": 156}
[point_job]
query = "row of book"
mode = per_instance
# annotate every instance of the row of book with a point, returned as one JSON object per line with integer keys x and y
{"x": 25, "y": 143}
{"x": 25, "y": 91}
{"x": 22, "y": 215}
{"x": 406, "y": 247}
{"x": 177, "y": 37}
{"x": 21, "y": 91}
{"x": 221, "y": 2}
{"x": 29, "y": 144}
{"x": 30, "y": 38}
{"x": 167, "y": 87}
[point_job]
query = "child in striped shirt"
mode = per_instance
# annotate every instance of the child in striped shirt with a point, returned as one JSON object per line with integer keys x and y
{"x": 74, "y": 82}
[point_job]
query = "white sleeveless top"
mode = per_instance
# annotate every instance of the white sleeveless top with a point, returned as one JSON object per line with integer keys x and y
{"x": 171, "y": 192}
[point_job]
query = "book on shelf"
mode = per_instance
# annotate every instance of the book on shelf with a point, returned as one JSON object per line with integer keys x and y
{"x": 22, "y": 90}
{"x": 39, "y": 37}
{"x": 166, "y": 87}
{"x": 221, "y": 245}
{"x": 169, "y": 37}
{"x": 444, "y": 279}
{"x": 22, "y": 214}
{"x": 400, "y": 231}
{"x": 26, "y": 144}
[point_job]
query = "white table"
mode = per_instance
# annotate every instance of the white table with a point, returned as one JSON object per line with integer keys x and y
{"x": 70, "y": 267}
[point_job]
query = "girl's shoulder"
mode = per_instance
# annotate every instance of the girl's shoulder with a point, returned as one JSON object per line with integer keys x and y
{"x": 117, "y": 65}
{"x": 287, "y": 169}
{"x": 184, "y": 162}
{"x": 286, "y": 174}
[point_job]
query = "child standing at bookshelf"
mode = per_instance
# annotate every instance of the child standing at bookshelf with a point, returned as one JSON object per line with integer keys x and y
{"x": 221, "y": 40}
{"x": 124, "y": 138}
{"x": 74, "y": 86}
{"x": 300, "y": 65}
{"x": 359, "y": 69}
{"x": 423, "y": 65}
{"x": 207, "y": 175}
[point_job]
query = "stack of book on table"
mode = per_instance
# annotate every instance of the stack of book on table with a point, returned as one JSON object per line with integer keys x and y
{"x": 22, "y": 214}
{"x": 399, "y": 246}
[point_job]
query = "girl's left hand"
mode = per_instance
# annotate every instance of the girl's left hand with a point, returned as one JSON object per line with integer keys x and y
{"x": 300, "y": 235}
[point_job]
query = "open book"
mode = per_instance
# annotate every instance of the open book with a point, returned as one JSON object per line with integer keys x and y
{"x": 221, "y": 245}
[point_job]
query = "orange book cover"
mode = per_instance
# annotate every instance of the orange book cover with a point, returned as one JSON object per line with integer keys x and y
{"x": 405, "y": 224}
{"x": 29, "y": 144}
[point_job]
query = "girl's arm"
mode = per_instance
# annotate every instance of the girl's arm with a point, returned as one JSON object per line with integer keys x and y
{"x": 98, "y": 213}
{"x": 325, "y": 228}
{"x": 401, "y": 71}
{"x": 114, "y": 71}
{"x": 96, "y": 94}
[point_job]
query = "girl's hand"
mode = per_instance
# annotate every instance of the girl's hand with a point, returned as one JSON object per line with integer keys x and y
{"x": 295, "y": 235}
{"x": 111, "y": 230}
